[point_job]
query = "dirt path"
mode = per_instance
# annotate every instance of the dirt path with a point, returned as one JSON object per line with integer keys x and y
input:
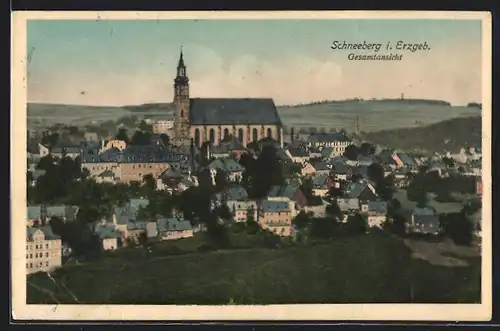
{"x": 437, "y": 253}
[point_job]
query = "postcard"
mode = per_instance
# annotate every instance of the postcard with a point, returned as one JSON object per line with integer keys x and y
{"x": 265, "y": 166}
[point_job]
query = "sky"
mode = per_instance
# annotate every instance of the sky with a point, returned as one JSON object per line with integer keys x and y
{"x": 114, "y": 63}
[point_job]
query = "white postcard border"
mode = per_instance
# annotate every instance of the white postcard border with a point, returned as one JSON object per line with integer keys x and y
{"x": 353, "y": 312}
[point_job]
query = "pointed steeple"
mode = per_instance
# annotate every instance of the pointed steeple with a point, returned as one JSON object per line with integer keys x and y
{"x": 181, "y": 78}
{"x": 181, "y": 60}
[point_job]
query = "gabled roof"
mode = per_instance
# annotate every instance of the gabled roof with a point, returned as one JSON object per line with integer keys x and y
{"x": 233, "y": 111}
{"x": 241, "y": 205}
{"x": 105, "y": 232}
{"x": 319, "y": 180}
{"x": 354, "y": 190}
{"x": 287, "y": 191}
{"x": 233, "y": 192}
{"x": 226, "y": 164}
{"x": 348, "y": 204}
{"x": 328, "y": 137}
{"x": 270, "y": 206}
{"x": 46, "y": 230}
{"x": 173, "y": 224}
{"x": 298, "y": 152}
{"x": 377, "y": 206}
{"x": 319, "y": 165}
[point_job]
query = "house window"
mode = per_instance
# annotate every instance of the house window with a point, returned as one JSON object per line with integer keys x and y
{"x": 46, "y": 254}
{"x": 31, "y": 265}
{"x": 31, "y": 256}
{"x": 36, "y": 246}
{"x": 46, "y": 245}
{"x": 47, "y": 263}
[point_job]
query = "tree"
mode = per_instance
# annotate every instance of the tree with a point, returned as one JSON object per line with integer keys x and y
{"x": 149, "y": 184}
{"x": 357, "y": 224}
{"x": 449, "y": 162}
{"x": 375, "y": 173}
{"x": 143, "y": 241}
{"x": 165, "y": 139}
{"x": 140, "y": 138}
{"x": 366, "y": 149}
{"x": 50, "y": 140}
{"x": 334, "y": 193}
{"x": 221, "y": 180}
{"x": 333, "y": 210}
{"x": 144, "y": 127}
{"x": 301, "y": 220}
{"x": 323, "y": 228}
{"x": 251, "y": 224}
{"x": 267, "y": 172}
{"x": 417, "y": 191}
{"x": 351, "y": 152}
{"x": 122, "y": 135}
{"x": 457, "y": 227}
{"x": 223, "y": 212}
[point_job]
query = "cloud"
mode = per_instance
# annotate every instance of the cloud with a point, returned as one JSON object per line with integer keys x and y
{"x": 450, "y": 71}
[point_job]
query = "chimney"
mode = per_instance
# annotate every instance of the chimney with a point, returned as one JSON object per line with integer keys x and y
{"x": 292, "y": 135}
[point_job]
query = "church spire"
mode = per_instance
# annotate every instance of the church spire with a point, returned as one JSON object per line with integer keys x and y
{"x": 181, "y": 60}
{"x": 181, "y": 78}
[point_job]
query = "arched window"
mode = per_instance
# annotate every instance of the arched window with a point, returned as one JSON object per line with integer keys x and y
{"x": 269, "y": 133}
{"x": 255, "y": 135}
{"x": 212, "y": 135}
{"x": 226, "y": 133}
{"x": 240, "y": 135}
{"x": 197, "y": 137}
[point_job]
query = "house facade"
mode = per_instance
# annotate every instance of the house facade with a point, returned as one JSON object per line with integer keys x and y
{"x": 276, "y": 217}
{"x": 43, "y": 250}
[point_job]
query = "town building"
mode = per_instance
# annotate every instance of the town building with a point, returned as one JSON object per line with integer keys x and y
{"x": 336, "y": 141}
{"x": 43, "y": 249}
{"x": 276, "y": 217}
{"x": 213, "y": 119}
{"x": 163, "y": 126}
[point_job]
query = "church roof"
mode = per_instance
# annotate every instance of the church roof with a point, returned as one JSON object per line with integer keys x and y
{"x": 233, "y": 112}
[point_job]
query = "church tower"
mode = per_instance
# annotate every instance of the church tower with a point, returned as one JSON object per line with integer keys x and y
{"x": 181, "y": 101}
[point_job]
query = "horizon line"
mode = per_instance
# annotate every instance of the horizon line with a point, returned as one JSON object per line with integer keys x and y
{"x": 277, "y": 105}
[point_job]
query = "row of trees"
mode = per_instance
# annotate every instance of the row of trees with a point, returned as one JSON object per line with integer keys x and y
{"x": 140, "y": 137}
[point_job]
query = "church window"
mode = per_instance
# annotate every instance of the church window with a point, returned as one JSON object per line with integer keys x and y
{"x": 269, "y": 133}
{"x": 255, "y": 135}
{"x": 212, "y": 135}
{"x": 240, "y": 135}
{"x": 226, "y": 132}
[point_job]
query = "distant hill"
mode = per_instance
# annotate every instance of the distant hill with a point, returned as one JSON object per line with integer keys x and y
{"x": 398, "y": 101}
{"x": 449, "y": 135}
{"x": 148, "y": 107}
{"x": 371, "y": 115}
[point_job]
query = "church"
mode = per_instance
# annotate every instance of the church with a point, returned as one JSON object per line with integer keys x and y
{"x": 212, "y": 119}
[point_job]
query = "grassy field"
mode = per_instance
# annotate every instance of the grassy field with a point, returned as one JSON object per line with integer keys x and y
{"x": 375, "y": 268}
{"x": 372, "y": 115}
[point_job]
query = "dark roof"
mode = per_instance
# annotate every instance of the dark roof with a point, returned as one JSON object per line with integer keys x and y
{"x": 298, "y": 152}
{"x": 327, "y": 137}
{"x": 233, "y": 111}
